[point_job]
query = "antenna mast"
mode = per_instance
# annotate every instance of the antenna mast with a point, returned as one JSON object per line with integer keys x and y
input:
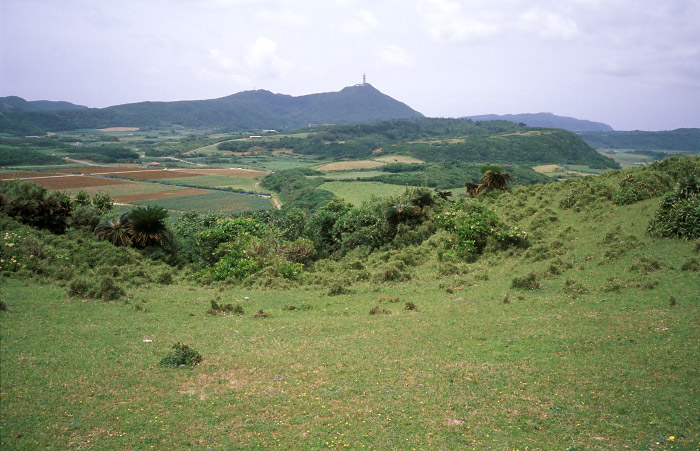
{"x": 364, "y": 79}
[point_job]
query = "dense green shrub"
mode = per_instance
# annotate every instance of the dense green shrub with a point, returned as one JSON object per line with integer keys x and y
{"x": 678, "y": 215}
{"x": 104, "y": 288}
{"x": 473, "y": 227}
{"x": 181, "y": 355}
{"x": 320, "y": 227}
{"x": 35, "y": 205}
{"x": 641, "y": 185}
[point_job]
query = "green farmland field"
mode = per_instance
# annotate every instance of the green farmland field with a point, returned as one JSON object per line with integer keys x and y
{"x": 220, "y": 181}
{"x": 216, "y": 201}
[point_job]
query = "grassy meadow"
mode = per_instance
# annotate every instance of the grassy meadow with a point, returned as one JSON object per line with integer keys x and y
{"x": 358, "y": 191}
{"x": 587, "y": 340}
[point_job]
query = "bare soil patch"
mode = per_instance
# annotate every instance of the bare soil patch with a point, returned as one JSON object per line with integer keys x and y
{"x": 97, "y": 169}
{"x": 158, "y": 174}
{"x": 60, "y": 182}
{"x": 14, "y": 175}
{"x": 161, "y": 195}
{"x": 347, "y": 165}
{"x": 155, "y": 174}
{"x": 399, "y": 159}
{"x": 547, "y": 168}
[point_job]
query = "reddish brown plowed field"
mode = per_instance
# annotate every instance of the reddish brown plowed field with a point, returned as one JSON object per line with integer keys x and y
{"x": 102, "y": 169}
{"x": 159, "y": 174}
{"x": 162, "y": 195}
{"x": 22, "y": 175}
{"x": 155, "y": 174}
{"x": 75, "y": 181}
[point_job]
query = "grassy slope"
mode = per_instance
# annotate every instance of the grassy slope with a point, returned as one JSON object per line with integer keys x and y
{"x": 597, "y": 358}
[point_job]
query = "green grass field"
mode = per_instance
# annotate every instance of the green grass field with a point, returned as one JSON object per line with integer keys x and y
{"x": 220, "y": 181}
{"x": 357, "y": 192}
{"x": 420, "y": 350}
{"x": 216, "y": 201}
{"x": 597, "y": 358}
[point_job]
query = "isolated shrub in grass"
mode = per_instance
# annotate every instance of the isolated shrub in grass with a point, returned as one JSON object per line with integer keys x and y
{"x": 377, "y": 310}
{"x": 679, "y": 212}
{"x": 181, "y": 355}
{"x": 338, "y": 287}
{"x": 692, "y": 264}
{"x": 217, "y": 308}
{"x": 105, "y": 288}
{"x": 473, "y": 226}
{"x": 528, "y": 282}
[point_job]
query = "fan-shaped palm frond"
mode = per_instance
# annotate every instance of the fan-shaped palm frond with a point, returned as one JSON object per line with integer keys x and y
{"x": 116, "y": 232}
{"x": 495, "y": 179}
{"x": 147, "y": 226}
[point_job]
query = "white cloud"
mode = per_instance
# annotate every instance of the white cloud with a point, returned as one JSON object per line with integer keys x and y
{"x": 363, "y": 22}
{"x": 222, "y": 61}
{"x": 263, "y": 58}
{"x": 548, "y": 25}
{"x": 445, "y": 22}
{"x": 284, "y": 17}
{"x": 396, "y": 56}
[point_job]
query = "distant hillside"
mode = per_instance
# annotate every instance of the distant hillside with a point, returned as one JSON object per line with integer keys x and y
{"x": 682, "y": 139}
{"x": 248, "y": 110}
{"x": 14, "y": 104}
{"x": 445, "y": 141}
{"x": 547, "y": 120}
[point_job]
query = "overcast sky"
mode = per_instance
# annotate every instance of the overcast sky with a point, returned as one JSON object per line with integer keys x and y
{"x": 633, "y": 64}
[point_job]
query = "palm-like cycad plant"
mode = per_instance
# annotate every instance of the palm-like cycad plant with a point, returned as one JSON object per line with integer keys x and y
{"x": 494, "y": 178}
{"x": 116, "y": 232}
{"x": 147, "y": 226}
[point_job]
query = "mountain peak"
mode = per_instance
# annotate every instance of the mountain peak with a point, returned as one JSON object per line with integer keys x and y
{"x": 246, "y": 110}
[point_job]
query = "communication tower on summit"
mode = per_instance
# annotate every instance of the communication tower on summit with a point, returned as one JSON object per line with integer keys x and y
{"x": 364, "y": 79}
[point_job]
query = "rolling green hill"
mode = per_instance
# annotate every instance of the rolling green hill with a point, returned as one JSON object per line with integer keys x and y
{"x": 439, "y": 141}
{"x": 249, "y": 110}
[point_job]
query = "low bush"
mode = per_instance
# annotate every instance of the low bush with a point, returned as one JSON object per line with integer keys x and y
{"x": 472, "y": 227}
{"x": 378, "y": 310}
{"x": 222, "y": 309}
{"x": 181, "y": 355}
{"x": 678, "y": 215}
{"x": 642, "y": 185}
{"x": 692, "y": 264}
{"x": 262, "y": 314}
{"x": 339, "y": 286}
{"x": 527, "y": 282}
{"x": 104, "y": 288}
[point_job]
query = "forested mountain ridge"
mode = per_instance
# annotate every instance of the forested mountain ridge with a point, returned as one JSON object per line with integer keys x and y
{"x": 248, "y": 110}
{"x": 11, "y": 104}
{"x": 547, "y": 120}
{"x": 682, "y": 139}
